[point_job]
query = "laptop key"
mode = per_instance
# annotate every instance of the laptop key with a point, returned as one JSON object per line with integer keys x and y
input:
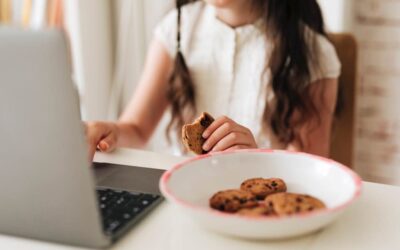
{"x": 126, "y": 216}
{"x": 113, "y": 226}
{"x": 150, "y": 197}
{"x": 118, "y": 208}
{"x": 135, "y": 210}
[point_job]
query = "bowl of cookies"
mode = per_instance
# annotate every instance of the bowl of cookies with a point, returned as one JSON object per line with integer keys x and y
{"x": 261, "y": 194}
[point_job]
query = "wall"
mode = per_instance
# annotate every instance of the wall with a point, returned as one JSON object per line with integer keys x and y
{"x": 377, "y": 27}
{"x": 338, "y": 14}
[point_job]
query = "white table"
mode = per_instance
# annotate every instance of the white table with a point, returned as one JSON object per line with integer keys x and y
{"x": 371, "y": 223}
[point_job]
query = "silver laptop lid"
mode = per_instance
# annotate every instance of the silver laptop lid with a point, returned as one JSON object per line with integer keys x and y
{"x": 46, "y": 185}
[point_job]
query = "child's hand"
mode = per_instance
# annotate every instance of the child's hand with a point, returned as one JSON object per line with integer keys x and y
{"x": 102, "y": 136}
{"x": 225, "y": 134}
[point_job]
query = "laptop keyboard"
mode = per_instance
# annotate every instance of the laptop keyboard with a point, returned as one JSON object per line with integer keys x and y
{"x": 118, "y": 208}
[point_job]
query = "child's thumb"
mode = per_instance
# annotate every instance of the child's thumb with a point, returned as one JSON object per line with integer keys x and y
{"x": 107, "y": 144}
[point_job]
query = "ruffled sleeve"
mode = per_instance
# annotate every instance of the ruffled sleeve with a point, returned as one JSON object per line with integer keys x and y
{"x": 325, "y": 62}
{"x": 165, "y": 32}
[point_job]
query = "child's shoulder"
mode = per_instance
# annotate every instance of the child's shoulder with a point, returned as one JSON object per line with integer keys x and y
{"x": 194, "y": 6}
{"x": 324, "y": 60}
{"x": 166, "y": 30}
{"x": 317, "y": 40}
{"x": 189, "y": 11}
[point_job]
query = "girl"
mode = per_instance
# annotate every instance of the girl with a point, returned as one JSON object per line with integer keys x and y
{"x": 264, "y": 67}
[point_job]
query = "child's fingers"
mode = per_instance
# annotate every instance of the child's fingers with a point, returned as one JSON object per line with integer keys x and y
{"x": 100, "y": 136}
{"x": 232, "y": 139}
{"x": 108, "y": 143}
{"x": 215, "y": 125}
{"x": 218, "y": 134}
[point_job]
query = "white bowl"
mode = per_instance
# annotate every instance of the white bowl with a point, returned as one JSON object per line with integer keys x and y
{"x": 189, "y": 186}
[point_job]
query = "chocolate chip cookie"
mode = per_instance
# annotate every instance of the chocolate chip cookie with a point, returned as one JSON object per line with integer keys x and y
{"x": 290, "y": 203}
{"x": 259, "y": 211}
{"x": 232, "y": 200}
{"x": 192, "y": 134}
{"x": 261, "y": 188}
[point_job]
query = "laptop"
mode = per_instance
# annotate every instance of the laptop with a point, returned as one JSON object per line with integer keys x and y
{"x": 48, "y": 190}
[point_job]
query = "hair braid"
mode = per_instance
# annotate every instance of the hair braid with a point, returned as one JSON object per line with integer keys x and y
{"x": 181, "y": 91}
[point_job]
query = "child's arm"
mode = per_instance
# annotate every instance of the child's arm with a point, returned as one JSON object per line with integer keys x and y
{"x": 143, "y": 113}
{"x": 149, "y": 102}
{"x": 315, "y": 135}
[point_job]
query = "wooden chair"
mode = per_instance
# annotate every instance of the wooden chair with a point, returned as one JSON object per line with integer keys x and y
{"x": 343, "y": 131}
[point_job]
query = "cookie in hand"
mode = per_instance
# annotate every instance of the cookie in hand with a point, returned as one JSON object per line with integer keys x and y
{"x": 192, "y": 134}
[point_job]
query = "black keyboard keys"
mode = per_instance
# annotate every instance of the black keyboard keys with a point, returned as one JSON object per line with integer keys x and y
{"x": 118, "y": 208}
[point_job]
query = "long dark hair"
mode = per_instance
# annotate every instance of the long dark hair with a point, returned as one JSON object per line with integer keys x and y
{"x": 181, "y": 89}
{"x": 286, "y": 26}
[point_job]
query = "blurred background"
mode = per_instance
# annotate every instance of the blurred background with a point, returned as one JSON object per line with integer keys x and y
{"x": 109, "y": 38}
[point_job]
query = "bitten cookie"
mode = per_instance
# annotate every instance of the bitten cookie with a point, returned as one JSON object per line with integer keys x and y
{"x": 258, "y": 211}
{"x": 261, "y": 188}
{"x": 232, "y": 200}
{"x": 192, "y": 133}
{"x": 290, "y": 203}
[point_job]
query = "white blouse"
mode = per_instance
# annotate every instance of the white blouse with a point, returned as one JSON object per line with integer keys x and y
{"x": 227, "y": 64}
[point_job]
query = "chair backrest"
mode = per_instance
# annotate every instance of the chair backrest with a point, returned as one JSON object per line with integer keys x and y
{"x": 343, "y": 131}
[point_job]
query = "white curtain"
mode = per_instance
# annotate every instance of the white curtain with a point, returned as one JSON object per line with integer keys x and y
{"x": 134, "y": 23}
{"x": 109, "y": 40}
{"x": 89, "y": 29}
